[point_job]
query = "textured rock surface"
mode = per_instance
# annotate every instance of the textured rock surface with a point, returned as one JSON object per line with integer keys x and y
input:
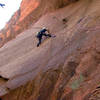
{"x": 63, "y": 68}
{"x": 29, "y": 12}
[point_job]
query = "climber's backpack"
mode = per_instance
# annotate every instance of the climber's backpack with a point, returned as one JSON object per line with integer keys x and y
{"x": 38, "y": 34}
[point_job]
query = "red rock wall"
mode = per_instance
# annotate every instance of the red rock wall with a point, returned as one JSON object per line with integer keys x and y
{"x": 30, "y": 11}
{"x": 74, "y": 72}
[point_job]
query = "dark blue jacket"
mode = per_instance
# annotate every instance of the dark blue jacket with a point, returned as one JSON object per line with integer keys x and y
{"x": 41, "y": 33}
{"x": 2, "y": 4}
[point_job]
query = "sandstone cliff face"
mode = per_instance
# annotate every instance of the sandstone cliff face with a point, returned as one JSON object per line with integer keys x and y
{"x": 63, "y": 68}
{"x": 29, "y": 13}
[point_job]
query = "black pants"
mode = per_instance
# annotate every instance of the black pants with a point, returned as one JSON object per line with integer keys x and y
{"x": 40, "y": 38}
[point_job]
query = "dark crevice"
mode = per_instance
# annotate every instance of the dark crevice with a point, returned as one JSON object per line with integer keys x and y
{"x": 49, "y": 76}
{"x": 88, "y": 97}
{"x": 80, "y": 20}
{"x": 72, "y": 67}
{"x": 5, "y": 79}
{"x": 69, "y": 72}
{"x": 8, "y": 89}
{"x": 98, "y": 87}
{"x": 64, "y": 20}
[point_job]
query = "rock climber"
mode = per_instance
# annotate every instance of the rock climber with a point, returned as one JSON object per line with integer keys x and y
{"x": 43, "y": 32}
{"x": 2, "y": 5}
